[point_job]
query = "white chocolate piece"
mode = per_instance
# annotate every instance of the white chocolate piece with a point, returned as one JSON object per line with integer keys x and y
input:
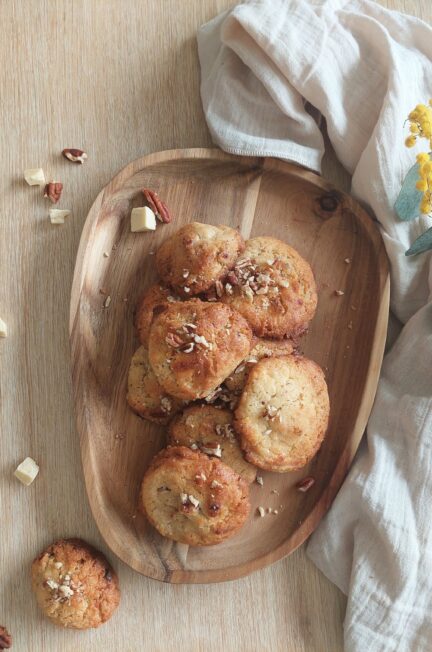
{"x": 27, "y": 471}
{"x": 57, "y": 216}
{"x": 143, "y": 219}
{"x": 35, "y": 177}
{"x": 3, "y": 329}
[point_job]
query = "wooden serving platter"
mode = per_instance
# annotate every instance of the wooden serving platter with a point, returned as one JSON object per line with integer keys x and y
{"x": 259, "y": 196}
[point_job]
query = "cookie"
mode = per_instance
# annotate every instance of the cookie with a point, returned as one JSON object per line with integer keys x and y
{"x": 192, "y": 498}
{"x": 75, "y": 585}
{"x": 283, "y": 413}
{"x": 273, "y": 287}
{"x": 261, "y": 348}
{"x": 154, "y": 300}
{"x": 145, "y": 396}
{"x": 194, "y": 346}
{"x": 210, "y": 430}
{"x": 196, "y": 256}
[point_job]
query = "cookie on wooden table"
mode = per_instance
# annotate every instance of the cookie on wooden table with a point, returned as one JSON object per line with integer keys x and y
{"x": 210, "y": 430}
{"x": 192, "y": 498}
{"x": 75, "y": 585}
{"x": 145, "y": 395}
{"x": 273, "y": 287}
{"x": 283, "y": 413}
{"x": 154, "y": 300}
{"x": 194, "y": 346}
{"x": 261, "y": 348}
{"x": 196, "y": 256}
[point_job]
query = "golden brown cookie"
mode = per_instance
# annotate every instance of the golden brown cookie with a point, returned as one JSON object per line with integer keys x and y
{"x": 75, "y": 585}
{"x": 145, "y": 396}
{"x": 194, "y": 346}
{"x": 273, "y": 287}
{"x": 197, "y": 255}
{"x": 154, "y": 300}
{"x": 261, "y": 348}
{"x": 192, "y": 498}
{"x": 210, "y": 430}
{"x": 283, "y": 413}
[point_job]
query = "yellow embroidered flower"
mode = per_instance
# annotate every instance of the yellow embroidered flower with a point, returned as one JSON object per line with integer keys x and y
{"x": 422, "y": 158}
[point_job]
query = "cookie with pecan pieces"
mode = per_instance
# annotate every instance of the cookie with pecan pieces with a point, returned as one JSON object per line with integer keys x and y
{"x": 192, "y": 498}
{"x": 273, "y": 287}
{"x": 194, "y": 346}
{"x": 196, "y": 256}
{"x": 75, "y": 585}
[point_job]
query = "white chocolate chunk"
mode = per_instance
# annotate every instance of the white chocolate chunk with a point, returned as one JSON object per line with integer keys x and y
{"x": 57, "y": 216}
{"x": 27, "y": 471}
{"x": 143, "y": 219}
{"x": 35, "y": 177}
{"x": 66, "y": 591}
{"x": 3, "y": 329}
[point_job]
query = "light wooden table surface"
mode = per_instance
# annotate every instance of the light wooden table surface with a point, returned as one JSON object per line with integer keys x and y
{"x": 119, "y": 78}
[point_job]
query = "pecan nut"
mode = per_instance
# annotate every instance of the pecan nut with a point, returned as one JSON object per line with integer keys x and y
{"x": 5, "y": 639}
{"x": 53, "y": 191}
{"x": 74, "y": 155}
{"x": 232, "y": 278}
{"x": 157, "y": 205}
{"x": 305, "y": 484}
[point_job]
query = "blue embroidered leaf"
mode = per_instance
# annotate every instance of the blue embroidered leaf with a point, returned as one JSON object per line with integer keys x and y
{"x": 423, "y": 243}
{"x": 407, "y": 204}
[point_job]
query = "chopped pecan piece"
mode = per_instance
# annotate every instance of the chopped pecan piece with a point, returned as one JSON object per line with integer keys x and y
{"x": 74, "y": 155}
{"x": 305, "y": 484}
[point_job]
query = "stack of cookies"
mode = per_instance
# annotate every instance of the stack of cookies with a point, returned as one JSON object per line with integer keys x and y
{"x": 218, "y": 365}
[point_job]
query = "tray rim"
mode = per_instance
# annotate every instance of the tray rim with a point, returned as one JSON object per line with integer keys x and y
{"x": 180, "y": 576}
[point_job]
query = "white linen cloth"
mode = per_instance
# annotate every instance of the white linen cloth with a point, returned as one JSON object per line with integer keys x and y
{"x": 363, "y": 68}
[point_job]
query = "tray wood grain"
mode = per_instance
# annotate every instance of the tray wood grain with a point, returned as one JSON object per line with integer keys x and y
{"x": 260, "y": 196}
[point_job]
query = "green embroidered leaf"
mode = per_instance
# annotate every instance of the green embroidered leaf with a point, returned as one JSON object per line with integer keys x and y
{"x": 407, "y": 204}
{"x": 423, "y": 243}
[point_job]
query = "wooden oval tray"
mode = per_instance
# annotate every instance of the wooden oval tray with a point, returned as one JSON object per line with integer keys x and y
{"x": 260, "y": 197}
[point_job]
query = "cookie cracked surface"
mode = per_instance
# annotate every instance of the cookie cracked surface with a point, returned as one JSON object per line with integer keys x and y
{"x": 196, "y": 256}
{"x": 283, "y": 413}
{"x": 194, "y": 346}
{"x": 74, "y": 584}
{"x": 273, "y": 287}
{"x": 192, "y": 498}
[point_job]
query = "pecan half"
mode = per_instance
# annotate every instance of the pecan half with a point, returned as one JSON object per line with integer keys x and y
{"x": 5, "y": 639}
{"x": 157, "y": 205}
{"x": 74, "y": 155}
{"x": 53, "y": 191}
{"x": 305, "y": 484}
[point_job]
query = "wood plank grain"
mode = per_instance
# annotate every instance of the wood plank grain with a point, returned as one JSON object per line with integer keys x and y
{"x": 120, "y": 79}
